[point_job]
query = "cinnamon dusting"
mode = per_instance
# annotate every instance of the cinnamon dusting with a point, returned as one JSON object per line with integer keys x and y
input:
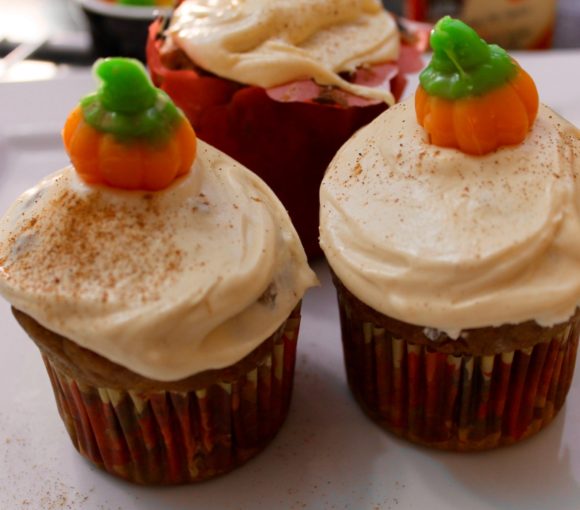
{"x": 86, "y": 243}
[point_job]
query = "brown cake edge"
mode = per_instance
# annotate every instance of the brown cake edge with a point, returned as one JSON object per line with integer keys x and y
{"x": 93, "y": 369}
{"x": 477, "y": 341}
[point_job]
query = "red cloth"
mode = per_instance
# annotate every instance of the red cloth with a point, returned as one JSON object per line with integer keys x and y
{"x": 288, "y": 134}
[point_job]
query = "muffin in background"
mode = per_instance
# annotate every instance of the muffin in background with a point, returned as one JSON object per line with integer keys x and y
{"x": 162, "y": 282}
{"x": 451, "y": 229}
{"x": 281, "y": 86}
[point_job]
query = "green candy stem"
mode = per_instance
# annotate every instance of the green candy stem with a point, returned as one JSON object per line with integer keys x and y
{"x": 463, "y": 64}
{"x": 127, "y": 104}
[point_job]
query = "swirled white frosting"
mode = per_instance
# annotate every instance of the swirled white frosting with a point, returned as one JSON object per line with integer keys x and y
{"x": 436, "y": 238}
{"x": 167, "y": 284}
{"x": 273, "y": 42}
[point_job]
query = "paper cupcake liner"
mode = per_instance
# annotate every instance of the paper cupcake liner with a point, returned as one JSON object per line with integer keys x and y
{"x": 173, "y": 437}
{"x": 451, "y": 401}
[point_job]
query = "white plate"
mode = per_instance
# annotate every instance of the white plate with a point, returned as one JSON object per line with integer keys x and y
{"x": 328, "y": 455}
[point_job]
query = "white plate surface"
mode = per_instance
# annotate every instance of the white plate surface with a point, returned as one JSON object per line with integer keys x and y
{"x": 328, "y": 455}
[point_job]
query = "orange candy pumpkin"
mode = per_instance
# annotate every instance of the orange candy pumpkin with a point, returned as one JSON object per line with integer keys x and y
{"x": 480, "y": 124}
{"x": 128, "y": 134}
{"x": 99, "y": 158}
{"x": 472, "y": 95}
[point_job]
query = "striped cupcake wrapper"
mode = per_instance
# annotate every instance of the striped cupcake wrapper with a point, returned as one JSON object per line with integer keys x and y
{"x": 456, "y": 402}
{"x": 171, "y": 437}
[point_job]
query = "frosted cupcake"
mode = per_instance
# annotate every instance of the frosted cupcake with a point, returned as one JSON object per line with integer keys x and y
{"x": 452, "y": 229}
{"x": 162, "y": 282}
{"x": 280, "y": 85}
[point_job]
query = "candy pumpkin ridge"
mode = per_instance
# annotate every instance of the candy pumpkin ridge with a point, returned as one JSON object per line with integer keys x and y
{"x": 128, "y": 134}
{"x": 473, "y": 96}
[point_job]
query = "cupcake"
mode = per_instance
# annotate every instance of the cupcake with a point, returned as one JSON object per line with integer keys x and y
{"x": 452, "y": 230}
{"x": 161, "y": 281}
{"x": 280, "y": 86}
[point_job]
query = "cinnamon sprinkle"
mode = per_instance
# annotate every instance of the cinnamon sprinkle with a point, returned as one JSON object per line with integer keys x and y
{"x": 82, "y": 244}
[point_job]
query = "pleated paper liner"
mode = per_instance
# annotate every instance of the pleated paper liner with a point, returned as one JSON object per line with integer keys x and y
{"x": 174, "y": 437}
{"x": 454, "y": 401}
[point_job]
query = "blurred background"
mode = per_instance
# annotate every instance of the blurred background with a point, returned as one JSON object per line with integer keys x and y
{"x": 37, "y": 35}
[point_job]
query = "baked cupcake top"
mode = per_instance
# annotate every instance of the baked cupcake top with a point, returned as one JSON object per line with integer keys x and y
{"x": 167, "y": 283}
{"x": 439, "y": 238}
{"x": 273, "y": 42}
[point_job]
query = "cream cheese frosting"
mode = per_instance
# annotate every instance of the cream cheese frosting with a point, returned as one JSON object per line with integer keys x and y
{"x": 273, "y": 42}
{"x": 440, "y": 239}
{"x": 166, "y": 284}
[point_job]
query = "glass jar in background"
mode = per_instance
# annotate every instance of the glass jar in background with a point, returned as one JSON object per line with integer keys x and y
{"x": 514, "y": 24}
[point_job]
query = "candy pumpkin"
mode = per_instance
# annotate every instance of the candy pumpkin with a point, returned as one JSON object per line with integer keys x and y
{"x": 473, "y": 96}
{"x": 128, "y": 134}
